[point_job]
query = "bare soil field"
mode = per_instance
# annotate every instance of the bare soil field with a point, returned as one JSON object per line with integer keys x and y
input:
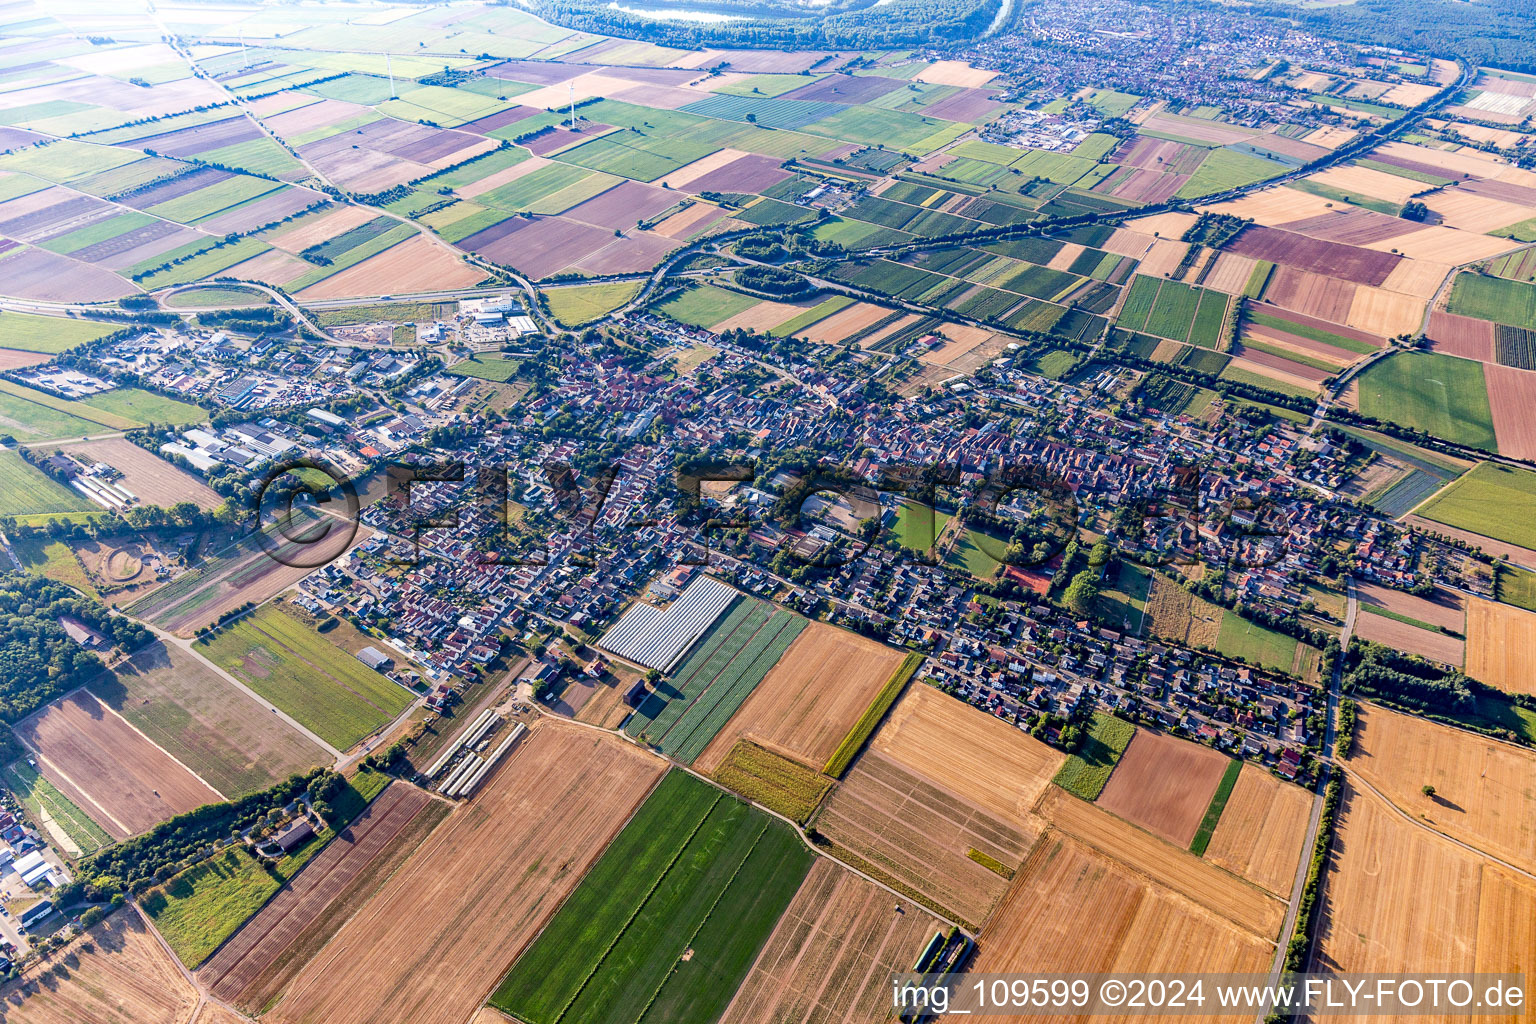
{"x": 1483, "y": 793}
{"x": 429, "y": 946}
{"x": 1385, "y": 312}
{"x": 334, "y": 221}
{"x": 1333, "y": 260}
{"x": 12, "y": 359}
{"x": 1242, "y": 903}
{"x": 962, "y": 339}
{"x": 763, "y": 316}
{"x": 1262, "y": 830}
{"x": 1447, "y": 650}
{"x": 414, "y": 265}
{"x": 117, "y": 973}
{"x": 1461, "y": 336}
{"x": 968, "y": 752}
{"x": 1230, "y": 273}
{"x": 829, "y": 958}
{"x": 184, "y": 706}
{"x": 808, "y": 701}
{"x": 1136, "y": 924}
{"x": 1446, "y": 608}
{"x": 1511, "y": 396}
{"x": 153, "y": 479}
{"x": 107, "y": 767}
{"x": 1500, "y": 638}
{"x": 1326, "y": 298}
{"x": 1164, "y": 784}
{"x": 257, "y": 962}
{"x": 894, "y": 824}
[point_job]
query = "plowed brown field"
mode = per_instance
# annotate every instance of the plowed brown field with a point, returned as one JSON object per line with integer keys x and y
{"x": 1262, "y": 830}
{"x": 107, "y": 767}
{"x": 807, "y": 703}
{"x": 126, "y": 978}
{"x": 433, "y": 941}
{"x": 1164, "y": 784}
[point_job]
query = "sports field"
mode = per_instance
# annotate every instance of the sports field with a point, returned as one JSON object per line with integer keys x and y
{"x": 667, "y": 923}
{"x": 1436, "y": 393}
{"x": 323, "y": 687}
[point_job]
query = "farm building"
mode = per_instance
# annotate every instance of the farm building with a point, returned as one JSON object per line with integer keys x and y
{"x": 35, "y": 913}
{"x": 294, "y": 835}
{"x": 658, "y": 638}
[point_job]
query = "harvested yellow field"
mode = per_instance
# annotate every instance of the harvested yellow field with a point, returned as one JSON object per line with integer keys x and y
{"x": 843, "y": 323}
{"x": 1398, "y": 897}
{"x": 1471, "y": 212}
{"x": 689, "y": 173}
{"x": 955, "y": 72}
{"x": 1125, "y": 242}
{"x": 961, "y": 340}
{"x": 1385, "y": 313}
{"x": 1445, "y": 245}
{"x": 1262, "y": 831}
{"x": 1216, "y": 889}
{"x": 1065, "y": 255}
{"x": 1500, "y": 639}
{"x": 1421, "y": 278}
{"x": 811, "y": 699}
{"x": 1501, "y": 137}
{"x": 763, "y": 316}
{"x": 1462, "y": 161}
{"x": 1163, "y": 258}
{"x": 314, "y": 230}
{"x": 1166, "y": 351}
{"x": 1331, "y": 136}
{"x": 1165, "y": 225}
{"x": 1484, "y": 794}
{"x": 1295, "y": 379}
{"x": 117, "y": 974}
{"x": 505, "y": 176}
{"x": 681, "y": 223}
{"x": 979, "y": 758}
{"x": 1409, "y": 94}
{"x": 1365, "y": 181}
{"x": 1273, "y": 206}
{"x": 1230, "y": 273}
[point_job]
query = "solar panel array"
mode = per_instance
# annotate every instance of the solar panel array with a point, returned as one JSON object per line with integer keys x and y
{"x": 655, "y": 638}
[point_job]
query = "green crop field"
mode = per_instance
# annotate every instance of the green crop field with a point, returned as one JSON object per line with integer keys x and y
{"x": 1239, "y": 638}
{"x": 531, "y": 192}
{"x": 45, "y": 801}
{"x": 1314, "y": 333}
{"x": 727, "y": 663}
{"x": 53, "y": 559}
{"x": 50, "y": 334}
{"x": 206, "y": 264}
{"x": 204, "y": 905}
{"x": 918, "y": 526}
{"x": 206, "y": 201}
{"x": 978, "y": 553}
{"x": 705, "y": 305}
{"x": 582, "y": 304}
{"x": 1174, "y": 311}
{"x": 871, "y": 126}
{"x": 1138, "y": 303}
{"x": 142, "y": 406}
{"x": 1206, "y": 330}
{"x": 1225, "y": 169}
{"x": 487, "y": 367}
{"x": 642, "y": 157}
{"x": 27, "y": 491}
{"x": 815, "y": 314}
{"x": 1517, "y": 587}
{"x": 1085, "y": 772}
{"x": 1437, "y": 393}
{"x": 668, "y": 921}
{"x": 1487, "y": 500}
{"x": 217, "y": 295}
{"x": 323, "y": 687}
{"x": 1494, "y": 298}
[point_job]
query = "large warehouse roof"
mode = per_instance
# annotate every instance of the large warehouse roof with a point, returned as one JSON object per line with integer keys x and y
{"x": 657, "y": 639}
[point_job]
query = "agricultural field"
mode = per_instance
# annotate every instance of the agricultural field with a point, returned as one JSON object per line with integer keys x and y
{"x": 70, "y": 827}
{"x": 24, "y": 420}
{"x": 1480, "y": 502}
{"x": 116, "y": 973}
{"x": 50, "y": 334}
{"x": 828, "y": 958}
{"x": 1378, "y": 919}
{"x": 189, "y": 710}
{"x": 1499, "y": 640}
{"x": 810, "y": 699}
{"x": 667, "y": 923}
{"x": 257, "y": 963}
{"x": 551, "y": 807}
{"x": 1482, "y": 791}
{"x": 1086, "y": 772}
{"x": 202, "y": 906}
{"x": 685, "y": 712}
{"x": 107, "y": 768}
{"x": 246, "y": 568}
{"x": 1262, "y": 831}
{"x": 1164, "y": 784}
{"x": 154, "y": 480}
{"x": 585, "y": 303}
{"x": 941, "y": 781}
{"x": 772, "y": 780}
{"x": 323, "y": 687}
{"x": 1436, "y": 393}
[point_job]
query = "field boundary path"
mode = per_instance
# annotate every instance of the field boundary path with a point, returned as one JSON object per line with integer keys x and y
{"x": 1298, "y": 886}
{"x": 190, "y": 647}
{"x": 203, "y": 998}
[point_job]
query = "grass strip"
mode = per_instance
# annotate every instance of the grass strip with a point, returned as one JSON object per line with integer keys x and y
{"x": 854, "y": 742}
{"x": 990, "y": 863}
{"x": 1213, "y": 812}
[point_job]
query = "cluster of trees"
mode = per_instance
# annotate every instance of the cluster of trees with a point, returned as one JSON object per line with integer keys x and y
{"x": 38, "y": 661}
{"x": 143, "y": 861}
{"x": 772, "y": 281}
{"x": 1406, "y": 679}
{"x": 1498, "y": 33}
{"x": 249, "y": 321}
